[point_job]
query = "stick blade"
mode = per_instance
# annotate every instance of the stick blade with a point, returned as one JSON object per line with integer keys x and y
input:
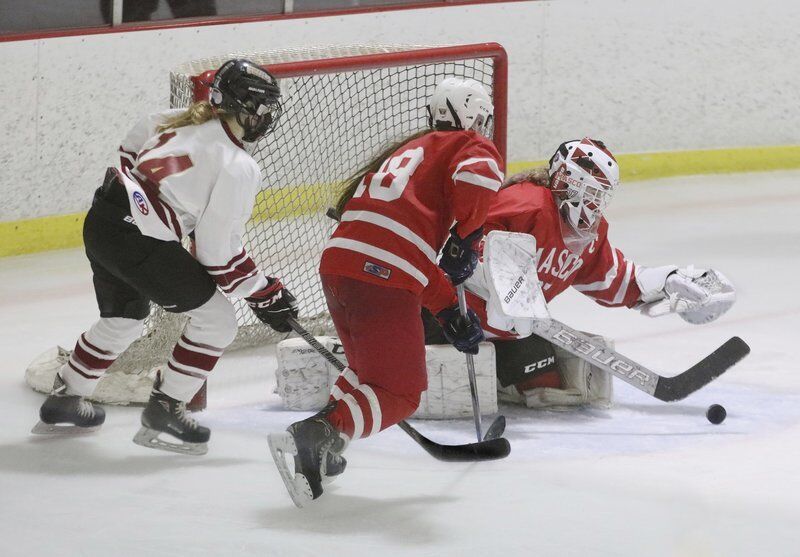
{"x": 492, "y": 449}
{"x": 496, "y": 429}
{"x": 670, "y": 389}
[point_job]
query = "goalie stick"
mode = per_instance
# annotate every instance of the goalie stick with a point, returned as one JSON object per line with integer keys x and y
{"x": 491, "y": 448}
{"x": 668, "y": 389}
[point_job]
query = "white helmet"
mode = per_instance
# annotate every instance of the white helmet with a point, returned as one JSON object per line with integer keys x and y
{"x": 583, "y": 176}
{"x": 460, "y": 104}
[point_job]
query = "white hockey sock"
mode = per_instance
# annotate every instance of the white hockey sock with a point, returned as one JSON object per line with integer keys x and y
{"x": 96, "y": 350}
{"x": 211, "y": 328}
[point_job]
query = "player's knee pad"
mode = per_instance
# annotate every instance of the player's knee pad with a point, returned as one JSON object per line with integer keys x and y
{"x": 305, "y": 379}
{"x": 213, "y": 323}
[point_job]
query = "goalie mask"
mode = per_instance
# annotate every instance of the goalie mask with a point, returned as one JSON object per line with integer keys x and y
{"x": 460, "y": 104}
{"x": 245, "y": 89}
{"x": 583, "y": 177}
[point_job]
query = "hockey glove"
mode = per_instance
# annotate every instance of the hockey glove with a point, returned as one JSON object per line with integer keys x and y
{"x": 460, "y": 256}
{"x": 464, "y": 333}
{"x": 273, "y": 305}
{"x": 697, "y": 295}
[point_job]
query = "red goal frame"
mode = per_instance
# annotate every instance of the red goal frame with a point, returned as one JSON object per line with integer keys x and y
{"x": 495, "y": 51}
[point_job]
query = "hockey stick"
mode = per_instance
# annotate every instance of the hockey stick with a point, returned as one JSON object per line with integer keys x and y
{"x": 473, "y": 383}
{"x": 668, "y": 389}
{"x": 488, "y": 449}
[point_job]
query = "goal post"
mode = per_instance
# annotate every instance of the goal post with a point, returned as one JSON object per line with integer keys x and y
{"x": 342, "y": 104}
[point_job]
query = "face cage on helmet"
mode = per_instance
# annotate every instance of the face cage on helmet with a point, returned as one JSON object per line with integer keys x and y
{"x": 484, "y": 127}
{"x": 582, "y": 203}
{"x": 256, "y": 125}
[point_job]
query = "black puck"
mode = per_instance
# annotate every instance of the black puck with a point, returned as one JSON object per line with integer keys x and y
{"x": 716, "y": 414}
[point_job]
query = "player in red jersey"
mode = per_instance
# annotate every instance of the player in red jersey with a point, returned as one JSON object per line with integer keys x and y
{"x": 182, "y": 173}
{"x": 562, "y": 207}
{"x": 379, "y": 269}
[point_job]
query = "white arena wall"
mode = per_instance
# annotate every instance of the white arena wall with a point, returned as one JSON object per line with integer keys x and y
{"x": 644, "y": 75}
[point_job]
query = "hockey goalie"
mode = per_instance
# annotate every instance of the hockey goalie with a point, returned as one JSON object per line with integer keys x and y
{"x": 546, "y": 228}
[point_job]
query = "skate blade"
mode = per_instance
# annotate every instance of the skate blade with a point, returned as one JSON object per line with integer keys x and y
{"x": 281, "y": 445}
{"x": 42, "y": 428}
{"x": 147, "y": 437}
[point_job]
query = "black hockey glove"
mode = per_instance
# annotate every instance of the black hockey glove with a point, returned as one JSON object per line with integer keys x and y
{"x": 460, "y": 256}
{"x": 463, "y": 333}
{"x": 273, "y": 305}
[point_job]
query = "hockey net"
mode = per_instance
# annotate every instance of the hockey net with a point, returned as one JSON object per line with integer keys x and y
{"x": 341, "y": 105}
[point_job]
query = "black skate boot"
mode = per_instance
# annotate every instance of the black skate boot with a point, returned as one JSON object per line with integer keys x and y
{"x": 65, "y": 413}
{"x": 164, "y": 414}
{"x": 335, "y": 464}
{"x": 316, "y": 447}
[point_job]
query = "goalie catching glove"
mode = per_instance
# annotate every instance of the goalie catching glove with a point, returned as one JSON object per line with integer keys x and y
{"x": 273, "y": 304}
{"x": 460, "y": 256}
{"x": 699, "y": 296}
{"x": 465, "y": 333}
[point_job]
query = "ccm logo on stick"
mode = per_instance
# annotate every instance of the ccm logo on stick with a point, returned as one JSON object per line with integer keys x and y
{"x": 596, "y": 353}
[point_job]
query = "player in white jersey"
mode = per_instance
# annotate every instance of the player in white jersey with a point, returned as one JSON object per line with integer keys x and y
{"x": 182, "y": 173}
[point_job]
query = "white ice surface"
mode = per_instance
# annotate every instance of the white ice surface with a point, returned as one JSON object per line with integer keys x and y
{"x": 645, "y": 478}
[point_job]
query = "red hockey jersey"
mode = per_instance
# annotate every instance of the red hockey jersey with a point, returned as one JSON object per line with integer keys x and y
{"x": 601, "y": 271}
{"x": 399, "y": 218}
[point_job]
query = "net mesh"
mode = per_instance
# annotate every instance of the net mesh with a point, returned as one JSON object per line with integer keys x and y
{"x": 333, "y": 123}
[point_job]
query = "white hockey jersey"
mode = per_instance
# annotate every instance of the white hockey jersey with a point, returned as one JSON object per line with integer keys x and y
{"x": 195, "y": 179}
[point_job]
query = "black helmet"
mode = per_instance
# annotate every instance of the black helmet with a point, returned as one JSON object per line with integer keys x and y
{"x": 250, "y": 92}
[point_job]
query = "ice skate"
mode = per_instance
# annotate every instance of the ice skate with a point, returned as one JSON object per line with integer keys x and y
{"x": 335, "y": 464}
{"x": 316, "y": 447}
{"x": 63, "y": 413}
{"x": 165, "y": 415}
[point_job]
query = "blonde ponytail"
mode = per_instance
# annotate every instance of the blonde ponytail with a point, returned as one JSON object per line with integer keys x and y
{"x": 351, "y": 184}
{"x": 539, "y": 176}
{"x": 197, "y": 113}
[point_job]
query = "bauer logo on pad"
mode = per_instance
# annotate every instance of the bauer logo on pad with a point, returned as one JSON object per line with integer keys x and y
{"x": 377, "y": 270}
{"x": 141, "y": 204}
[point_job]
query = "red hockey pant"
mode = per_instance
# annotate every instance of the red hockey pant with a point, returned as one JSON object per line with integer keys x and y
{"x": 382, "y": 335}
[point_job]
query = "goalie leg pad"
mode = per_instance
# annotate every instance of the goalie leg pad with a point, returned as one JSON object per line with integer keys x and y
{"x": 522, "y": 359}
{"x": 582, "y": 385}
{"x": 448, "y": 394}
{"x": 305, "y": 379}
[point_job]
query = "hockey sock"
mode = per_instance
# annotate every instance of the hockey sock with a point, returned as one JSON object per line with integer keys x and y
{"x": 364, "y": 409}
{"x": 96, "y": 350}
{"x": 210, "y": 329}
{"x": 188, "y": 368}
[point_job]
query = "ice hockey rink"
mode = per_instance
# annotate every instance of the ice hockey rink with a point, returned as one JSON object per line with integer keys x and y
{"x": 644, "y": 478}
